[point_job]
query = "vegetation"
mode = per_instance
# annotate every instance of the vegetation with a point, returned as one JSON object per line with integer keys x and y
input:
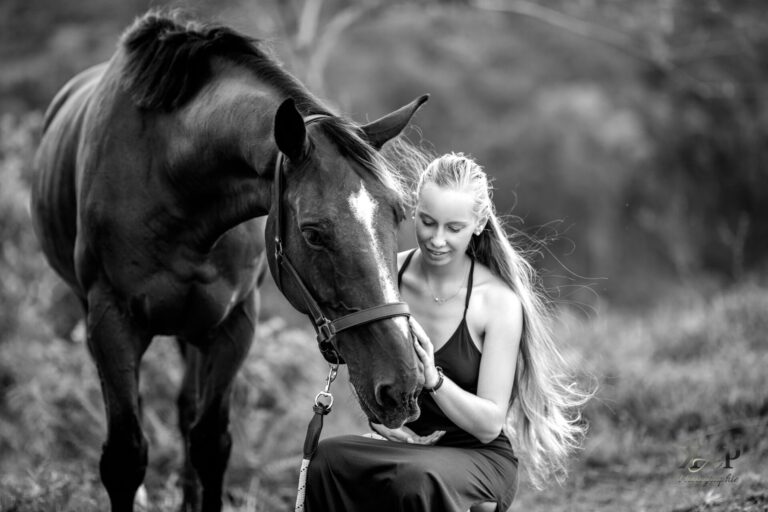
{"x": 638, "y": 127}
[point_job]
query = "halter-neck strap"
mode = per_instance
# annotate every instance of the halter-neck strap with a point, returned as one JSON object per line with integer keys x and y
{"x": 405, "y": 265}
{"x": 469, "y": 284}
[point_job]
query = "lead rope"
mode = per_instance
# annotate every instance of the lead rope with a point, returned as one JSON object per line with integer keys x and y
{"x": 323, "y": 404}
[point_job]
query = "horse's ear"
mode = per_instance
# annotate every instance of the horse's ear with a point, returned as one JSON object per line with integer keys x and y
{"x": 290, "y": 132}
{"x": 378, "y": 132}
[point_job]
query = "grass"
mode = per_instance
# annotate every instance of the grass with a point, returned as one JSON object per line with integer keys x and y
{"x": 687, "y": 379}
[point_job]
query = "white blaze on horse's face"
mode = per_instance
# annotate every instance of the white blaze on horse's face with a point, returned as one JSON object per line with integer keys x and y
{"x": 364, "y": 207}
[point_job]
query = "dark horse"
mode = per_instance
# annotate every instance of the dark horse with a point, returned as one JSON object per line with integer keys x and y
{"x": 152, "y": 172}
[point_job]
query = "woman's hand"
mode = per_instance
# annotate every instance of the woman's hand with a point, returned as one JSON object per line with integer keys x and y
{"x": 406, "y": 435}
{"x": 426, "y": 352}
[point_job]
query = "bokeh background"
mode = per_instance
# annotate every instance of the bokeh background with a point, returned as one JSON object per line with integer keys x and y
{"x": 627, "y": 140}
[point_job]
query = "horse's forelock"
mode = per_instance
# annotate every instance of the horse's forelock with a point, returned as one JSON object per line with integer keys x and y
{"x": 347, "y": 138}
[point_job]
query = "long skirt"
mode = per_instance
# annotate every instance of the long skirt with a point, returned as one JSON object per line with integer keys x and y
{"x": 357, "y": 473}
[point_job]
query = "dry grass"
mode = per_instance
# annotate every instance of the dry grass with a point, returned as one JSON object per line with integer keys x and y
{"x": 674, "y": 383}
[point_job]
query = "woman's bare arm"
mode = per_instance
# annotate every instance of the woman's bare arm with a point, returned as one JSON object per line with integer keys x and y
{"x": 482, "y": 415}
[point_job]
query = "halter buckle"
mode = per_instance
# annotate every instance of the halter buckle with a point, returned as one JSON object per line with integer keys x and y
{"x": 325, "y": 331}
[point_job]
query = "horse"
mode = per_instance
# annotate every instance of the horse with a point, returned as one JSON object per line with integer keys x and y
{"x": 156, "y": 200}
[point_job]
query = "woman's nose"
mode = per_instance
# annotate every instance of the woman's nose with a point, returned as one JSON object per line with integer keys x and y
{"x": 438, "y": 240}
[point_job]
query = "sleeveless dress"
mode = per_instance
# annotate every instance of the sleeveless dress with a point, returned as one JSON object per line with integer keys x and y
{"x": 355, "y": 473}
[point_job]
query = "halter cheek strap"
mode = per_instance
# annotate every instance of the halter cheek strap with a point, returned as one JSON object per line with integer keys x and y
{"x": 325, "y": 328}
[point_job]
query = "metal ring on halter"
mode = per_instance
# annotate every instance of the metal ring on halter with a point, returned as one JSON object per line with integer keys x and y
{"x": 332, "y": 373}
{"x": 325, "y": 395}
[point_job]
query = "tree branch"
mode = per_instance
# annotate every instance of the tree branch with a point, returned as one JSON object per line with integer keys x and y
{"x": 308, "y": 21}
{"x": 588, "y": 30}
{"x": 661, "y": 60}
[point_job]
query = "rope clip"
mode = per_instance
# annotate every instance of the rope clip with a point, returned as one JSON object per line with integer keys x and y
{"x": 324, "y": 398}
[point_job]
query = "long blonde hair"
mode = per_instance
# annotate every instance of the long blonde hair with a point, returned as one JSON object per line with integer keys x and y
{"x": 543, "y": 420}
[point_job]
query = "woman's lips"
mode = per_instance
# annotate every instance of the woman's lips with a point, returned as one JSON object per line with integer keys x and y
{"x": 436, "y": 253}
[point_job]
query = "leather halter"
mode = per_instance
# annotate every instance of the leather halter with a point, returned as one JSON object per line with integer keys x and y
{"x": 325, "y": 328}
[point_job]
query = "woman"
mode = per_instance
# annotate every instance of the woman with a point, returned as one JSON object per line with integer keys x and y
{"x": 492, "y": 373}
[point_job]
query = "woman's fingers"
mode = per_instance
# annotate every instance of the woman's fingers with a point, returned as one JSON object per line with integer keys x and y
{"x": 418, "y": 330}
{"x": 431, "y": 438}
{"x": 406, "y": 435}
{"x": 423, "y": 355}
{"x": 437, "y": 434}
{"x": 382, "y": 431}
{"x": 397, "y": 435}
{"x": 423, "y": 349}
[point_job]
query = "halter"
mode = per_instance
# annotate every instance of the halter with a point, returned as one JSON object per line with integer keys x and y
{"x": 325, "y": 328}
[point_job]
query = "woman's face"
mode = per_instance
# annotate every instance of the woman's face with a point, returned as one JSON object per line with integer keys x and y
{"x": 445, "y": 222}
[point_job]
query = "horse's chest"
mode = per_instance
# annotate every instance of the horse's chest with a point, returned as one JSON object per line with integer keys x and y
{"x": 168, "y": 307}
{"x": 188, "y": 303}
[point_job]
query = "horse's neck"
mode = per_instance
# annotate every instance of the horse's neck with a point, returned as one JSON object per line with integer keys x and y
{"x": 229, "y": 159}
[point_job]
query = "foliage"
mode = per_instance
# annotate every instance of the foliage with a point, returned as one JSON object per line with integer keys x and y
{"x": 636, "y": 127}
{"x": 26, "y": 277}
{"x": 686, "y": 374}
{"x": 668, "y": 386}
{"x": 644, "y": 148}
{"x": 639, "y": 126}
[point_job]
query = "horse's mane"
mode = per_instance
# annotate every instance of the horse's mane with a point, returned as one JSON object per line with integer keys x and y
{"x": 169, "y": 61}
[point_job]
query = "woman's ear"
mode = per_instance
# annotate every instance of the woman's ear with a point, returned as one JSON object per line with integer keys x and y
{"x": 481, "y": 225}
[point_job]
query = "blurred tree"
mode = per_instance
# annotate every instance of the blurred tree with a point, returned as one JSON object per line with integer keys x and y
{"x": 536, "y": 94}
{"x": 314, "y": 27}
{"x": 704, "y": 68}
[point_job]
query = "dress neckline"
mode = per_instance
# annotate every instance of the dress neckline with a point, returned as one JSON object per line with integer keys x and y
{"x": 463, "y": 323}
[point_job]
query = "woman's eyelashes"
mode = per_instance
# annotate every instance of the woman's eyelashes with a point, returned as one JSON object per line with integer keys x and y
{"x": 451, "y": 227}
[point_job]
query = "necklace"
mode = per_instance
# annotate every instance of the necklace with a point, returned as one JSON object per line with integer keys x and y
{"x": 438, "y": 300}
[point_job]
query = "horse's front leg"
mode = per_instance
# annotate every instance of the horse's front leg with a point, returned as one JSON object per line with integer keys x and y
{"x": 116, "y": 346}
{"x": 222, "y": 355}
{"x": 187, "y": 412}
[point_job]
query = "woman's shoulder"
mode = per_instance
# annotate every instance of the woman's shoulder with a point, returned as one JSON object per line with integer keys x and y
{"x": 493, "y": 292}
{"x": 401, "y": 256}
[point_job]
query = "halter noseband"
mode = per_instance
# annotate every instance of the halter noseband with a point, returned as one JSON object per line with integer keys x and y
{"x": 325, "y": 328}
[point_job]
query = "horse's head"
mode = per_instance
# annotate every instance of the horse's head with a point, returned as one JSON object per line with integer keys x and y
{"x": 340, "y": 212}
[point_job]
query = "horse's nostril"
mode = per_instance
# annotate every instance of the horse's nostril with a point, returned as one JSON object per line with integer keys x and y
{"x": 386, "y": 396}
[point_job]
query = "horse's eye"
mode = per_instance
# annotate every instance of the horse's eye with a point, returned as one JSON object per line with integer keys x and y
{"x": 313, "y": 237}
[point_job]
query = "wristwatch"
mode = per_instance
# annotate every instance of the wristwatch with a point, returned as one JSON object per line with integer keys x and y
{"x": 440, "y": 379}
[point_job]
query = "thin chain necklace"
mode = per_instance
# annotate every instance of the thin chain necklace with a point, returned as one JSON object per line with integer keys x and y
{"x": 438, "y": 300}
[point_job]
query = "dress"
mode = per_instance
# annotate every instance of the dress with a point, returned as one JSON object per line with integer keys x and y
{"x": 355, "y": 473}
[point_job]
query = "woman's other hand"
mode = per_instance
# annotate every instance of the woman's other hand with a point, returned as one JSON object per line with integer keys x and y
{"x": 406, "y": 435}
{"x": 426, "y": 352}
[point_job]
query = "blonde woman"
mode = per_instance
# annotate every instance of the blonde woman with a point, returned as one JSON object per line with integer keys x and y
{"x": 494, "y": 379}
